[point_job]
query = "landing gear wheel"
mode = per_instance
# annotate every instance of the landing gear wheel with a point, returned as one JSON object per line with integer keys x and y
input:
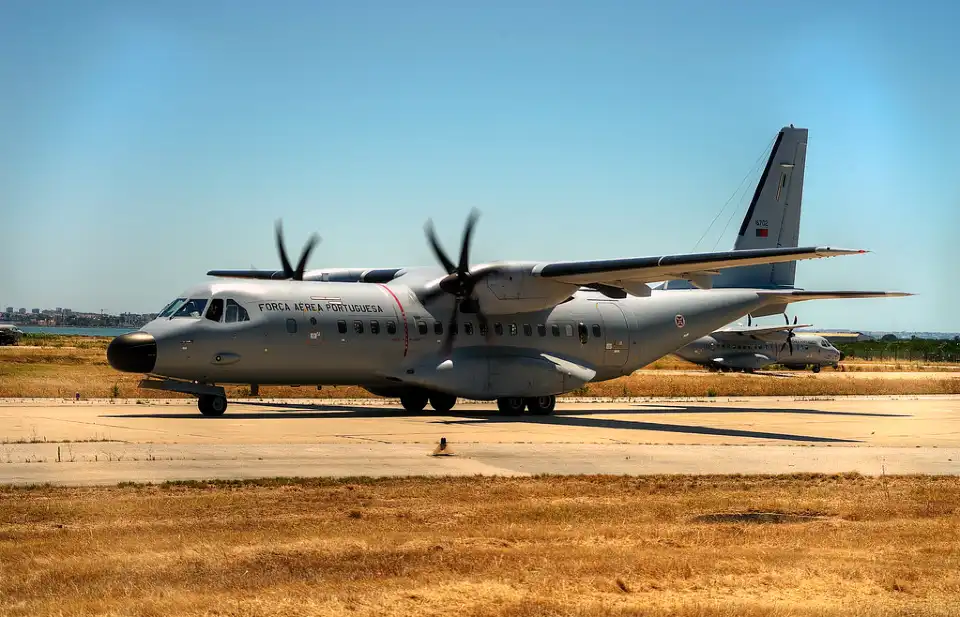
{"x": 816, "y": 368}
{"x": 414, "y": 402}
{"x": 542, "y": 405}
{"x": 442, "y": 402}
{"x": 511, "y": 405}
{"x": 212, "y": 405}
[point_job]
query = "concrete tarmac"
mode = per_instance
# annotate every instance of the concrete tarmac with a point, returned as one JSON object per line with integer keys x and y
{"x": 105, "y": 442}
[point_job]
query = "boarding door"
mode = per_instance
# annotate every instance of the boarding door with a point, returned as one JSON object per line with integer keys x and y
{"x": 617, "y": 336}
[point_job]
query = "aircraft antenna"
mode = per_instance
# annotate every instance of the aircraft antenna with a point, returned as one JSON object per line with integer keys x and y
{"x": 763, "y": 156}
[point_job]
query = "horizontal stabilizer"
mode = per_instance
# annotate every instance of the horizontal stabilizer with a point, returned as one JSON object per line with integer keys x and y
{"x": 798, "y": 295}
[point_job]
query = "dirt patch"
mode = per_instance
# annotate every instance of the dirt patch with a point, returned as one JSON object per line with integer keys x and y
{"x": 760, "y": 517}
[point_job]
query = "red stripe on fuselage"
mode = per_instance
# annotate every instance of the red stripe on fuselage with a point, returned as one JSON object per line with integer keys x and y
{"x": 403, "y": 316}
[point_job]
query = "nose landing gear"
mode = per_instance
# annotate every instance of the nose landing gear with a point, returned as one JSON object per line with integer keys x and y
{"x": 211, "y": 400}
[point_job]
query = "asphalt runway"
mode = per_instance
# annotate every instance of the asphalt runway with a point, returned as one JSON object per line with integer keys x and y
{"x": 105, "y": 442}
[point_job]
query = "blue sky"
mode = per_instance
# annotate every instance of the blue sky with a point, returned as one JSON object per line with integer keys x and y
{"x": 144, "y": 144}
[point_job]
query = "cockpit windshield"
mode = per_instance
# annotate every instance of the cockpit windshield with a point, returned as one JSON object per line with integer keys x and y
{"x": 170, "y": 308}
{"x": 824, "y": 343}
{"x": 191, "y": 308}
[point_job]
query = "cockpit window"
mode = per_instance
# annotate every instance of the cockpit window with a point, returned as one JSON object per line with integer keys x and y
{"x": 824, "y": 343}
{"x": 192, "y": 308}
{"x": 215, "y": 312}
{"x": 235, "y": 312}
{"x": 170, "y": 308}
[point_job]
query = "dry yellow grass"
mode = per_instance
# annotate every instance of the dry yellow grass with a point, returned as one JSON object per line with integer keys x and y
{"x": 845, "y": 545}
{"x": 65, "y": 370}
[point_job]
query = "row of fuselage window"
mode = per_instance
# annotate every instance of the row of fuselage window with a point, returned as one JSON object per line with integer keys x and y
{"x": 754, "y": 347}
{"x": 512, "y": 329}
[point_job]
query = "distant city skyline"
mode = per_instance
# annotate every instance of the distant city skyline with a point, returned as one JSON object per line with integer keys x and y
{"x": 147, "y": 143}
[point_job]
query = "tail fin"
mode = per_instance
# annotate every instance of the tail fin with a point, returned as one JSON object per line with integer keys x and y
{"x": 773, "y": 218}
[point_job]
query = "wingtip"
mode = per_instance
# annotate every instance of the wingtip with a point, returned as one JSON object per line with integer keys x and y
{"x": 830, "y": 250}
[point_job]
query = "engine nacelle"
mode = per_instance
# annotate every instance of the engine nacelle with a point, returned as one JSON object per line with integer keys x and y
{"x": 518, "y": 291}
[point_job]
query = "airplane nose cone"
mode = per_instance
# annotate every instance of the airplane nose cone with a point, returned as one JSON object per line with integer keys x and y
{"x": 135, "y": 352}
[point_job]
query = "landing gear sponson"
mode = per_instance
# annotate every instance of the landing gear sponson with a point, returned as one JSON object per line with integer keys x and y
{"x": 211, "y": 400}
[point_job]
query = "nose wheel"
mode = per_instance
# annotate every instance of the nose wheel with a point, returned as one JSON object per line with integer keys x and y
{"x": 212, "y": 405}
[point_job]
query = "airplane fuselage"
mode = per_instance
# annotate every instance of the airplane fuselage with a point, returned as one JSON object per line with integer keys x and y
{"x": 381, "y": 335}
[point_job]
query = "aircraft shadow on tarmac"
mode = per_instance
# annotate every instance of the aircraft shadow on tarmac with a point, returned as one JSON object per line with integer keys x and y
{"x": 660, "y": 409}
{"x": 580, "y": 421}
{"x": 574, "y": 418}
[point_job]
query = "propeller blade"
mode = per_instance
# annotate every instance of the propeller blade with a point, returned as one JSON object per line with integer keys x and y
{"x": 302, "y": 264}
{"x": 790, "y": 341}
{"x": 437, "y": 249}
{"x": 749, "y": 320}
{"x": 786, "y": 319}
{"x": 287, "y": 269}
{"x": 794, "y": 320}
{"x": 451, "y": 331}
{"x": 459, "y": 282}
{"x": 465, "y": 247}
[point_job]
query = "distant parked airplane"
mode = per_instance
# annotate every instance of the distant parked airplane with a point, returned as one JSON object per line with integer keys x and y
{"x": 10, "y": 334}
{"x": 753, "y": 347}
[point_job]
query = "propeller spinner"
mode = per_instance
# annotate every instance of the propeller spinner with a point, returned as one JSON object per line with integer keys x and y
{"x": 459, "y": 281}
{"x": 288, "y": 271}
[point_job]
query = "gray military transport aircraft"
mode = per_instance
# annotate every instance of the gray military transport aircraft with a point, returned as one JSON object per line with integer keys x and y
{"x": 751, "y": 348}
{"x": 516, "y": 332}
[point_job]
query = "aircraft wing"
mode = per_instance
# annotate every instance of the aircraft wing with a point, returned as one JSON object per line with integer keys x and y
{"x": 340, "y": 275}
{"x": 248, "y": 274}
{"x": 755, "y": 331}
{"x": 683, "y": 266}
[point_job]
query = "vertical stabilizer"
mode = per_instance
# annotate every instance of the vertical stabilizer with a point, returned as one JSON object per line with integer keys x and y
{"x": 773, "y": 218}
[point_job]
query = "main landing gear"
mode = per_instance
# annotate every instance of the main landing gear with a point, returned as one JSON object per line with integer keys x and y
{"x": 538, "y": 406}
{"x": 212, "y": 405}
{"x": 415, "y": 402}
